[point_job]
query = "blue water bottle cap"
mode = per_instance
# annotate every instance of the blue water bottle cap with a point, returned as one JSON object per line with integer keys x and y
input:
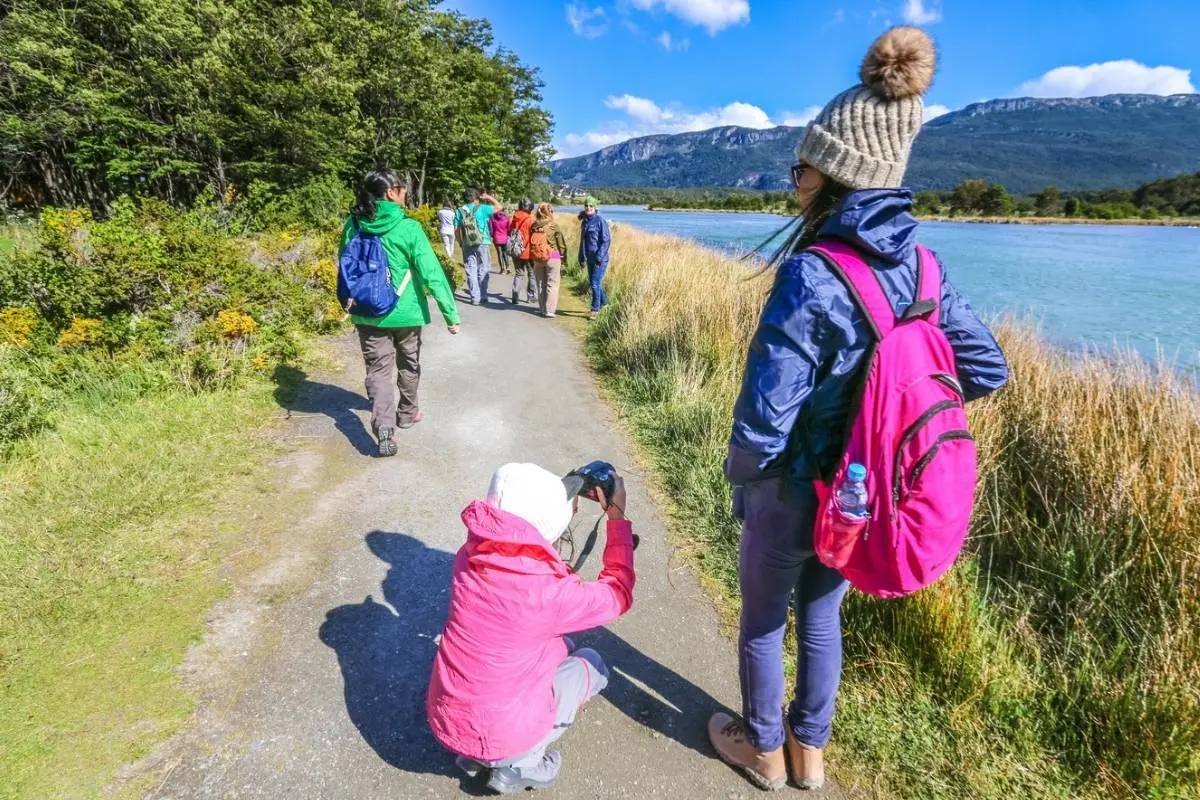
{"x": 857, "y": 472}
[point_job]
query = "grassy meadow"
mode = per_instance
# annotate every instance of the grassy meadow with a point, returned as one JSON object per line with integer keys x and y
{"x": 1061, "y": 657}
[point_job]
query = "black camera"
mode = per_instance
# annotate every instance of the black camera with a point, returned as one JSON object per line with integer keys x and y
{"x": 596, "y": 475}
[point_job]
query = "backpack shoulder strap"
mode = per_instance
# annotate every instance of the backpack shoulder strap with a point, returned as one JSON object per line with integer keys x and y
{"x": 929, "y": 286}
{"x": 853, "y": 270}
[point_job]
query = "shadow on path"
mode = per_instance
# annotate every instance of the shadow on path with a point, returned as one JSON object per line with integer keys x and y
{"x": 386, "y": 658}
{"x": 296, "y": 394}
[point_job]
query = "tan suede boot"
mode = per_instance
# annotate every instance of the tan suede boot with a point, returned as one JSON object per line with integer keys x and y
{"x": 728, "y": 735}
{"x": 807, "y": 763}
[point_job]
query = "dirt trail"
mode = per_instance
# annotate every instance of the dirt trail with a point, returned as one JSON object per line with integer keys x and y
{"x": 319, "y": 693}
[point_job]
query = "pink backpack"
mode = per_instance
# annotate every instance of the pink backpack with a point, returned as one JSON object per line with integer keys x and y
{"x": 909, "y": 429}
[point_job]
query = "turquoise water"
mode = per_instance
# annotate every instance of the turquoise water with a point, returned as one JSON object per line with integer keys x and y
{"x": 1100, "y": 286}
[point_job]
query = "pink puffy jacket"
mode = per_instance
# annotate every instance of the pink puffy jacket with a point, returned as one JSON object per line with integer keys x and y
{"x": 512, "y": 600}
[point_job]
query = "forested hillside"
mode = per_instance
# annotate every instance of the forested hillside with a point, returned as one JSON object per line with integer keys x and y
{"x": 100, "y": 98}
{"x": 1024, "y": 144}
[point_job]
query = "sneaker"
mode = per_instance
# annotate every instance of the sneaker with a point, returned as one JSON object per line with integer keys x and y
{"x": 406, "y": 425}
{"x": 469, "y": 766}
{"x": 767, "y": 771}
{"x": 515, "y": 301}
{"x": 509, "y": 780}
{"x": 387, "y": 446}
{"x": 593, "y": 314}
{"x": 807, "y": 763}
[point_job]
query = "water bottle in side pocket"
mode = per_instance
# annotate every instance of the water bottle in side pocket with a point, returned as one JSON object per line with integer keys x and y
{"x": 851, "y": 513}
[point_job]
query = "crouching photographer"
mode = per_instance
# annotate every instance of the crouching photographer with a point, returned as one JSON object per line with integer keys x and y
{"x": 507, "y": 682}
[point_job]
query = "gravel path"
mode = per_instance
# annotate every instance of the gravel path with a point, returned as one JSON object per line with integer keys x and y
{"x": 319, "y": 693}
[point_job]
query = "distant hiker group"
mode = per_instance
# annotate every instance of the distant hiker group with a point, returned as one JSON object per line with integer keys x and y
{"x": 387, "y": 270}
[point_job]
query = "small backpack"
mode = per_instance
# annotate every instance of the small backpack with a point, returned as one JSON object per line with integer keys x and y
{"x": 516, "y": 243}
{"x": 364, "y": 284}
{"x": 471, "y": 235}
{"x": 908, "y": 427}
{"x": 539, "y": 245}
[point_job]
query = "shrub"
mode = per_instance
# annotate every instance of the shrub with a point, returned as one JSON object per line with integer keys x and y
{"x": 26, "y": 401}
{"x": 17, "y": 326}
{"x": 81, "y": 333}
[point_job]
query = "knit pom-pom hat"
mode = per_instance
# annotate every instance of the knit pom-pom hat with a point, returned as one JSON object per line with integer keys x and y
{"x": 863, "y": 137}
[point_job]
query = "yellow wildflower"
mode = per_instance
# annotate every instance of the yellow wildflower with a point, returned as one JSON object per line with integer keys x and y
{"x": 82, "y": 333}
{"x": 17, "y": 325}
{"x": 236, "y": 325}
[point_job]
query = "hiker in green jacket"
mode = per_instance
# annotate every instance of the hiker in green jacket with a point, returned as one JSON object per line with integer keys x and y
{"x": 391, "y": 345}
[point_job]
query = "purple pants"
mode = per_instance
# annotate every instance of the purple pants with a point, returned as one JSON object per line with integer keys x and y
{"x": 776, "y": 560}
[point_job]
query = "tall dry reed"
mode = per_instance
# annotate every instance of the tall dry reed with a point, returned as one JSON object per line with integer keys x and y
{"x": 1061, "y": 656}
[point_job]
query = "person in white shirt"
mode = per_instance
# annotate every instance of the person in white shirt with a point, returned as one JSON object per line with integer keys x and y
{"x": 446, "y": 228}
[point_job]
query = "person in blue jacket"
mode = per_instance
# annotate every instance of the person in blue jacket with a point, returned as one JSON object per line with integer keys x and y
{"x": 803, "y": 368}
{"x": 594, "y": 239}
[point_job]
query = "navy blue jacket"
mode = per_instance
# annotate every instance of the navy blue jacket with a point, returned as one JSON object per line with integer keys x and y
{"x": 805, "y": 358}
{"x": 594, "y": 238}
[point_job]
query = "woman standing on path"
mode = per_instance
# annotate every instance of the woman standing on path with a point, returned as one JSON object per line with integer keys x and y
{"x": 547, "y": 240}
{"x": 523, "y": 221}
{"x": 499, "y": 224}
{"x": 391, "y": 345}
{"x": 594, "y": 240}
{"x": 802, "y": 373}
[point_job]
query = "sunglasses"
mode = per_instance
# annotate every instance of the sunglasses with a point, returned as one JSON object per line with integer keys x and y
{"x": 798, "y": 172}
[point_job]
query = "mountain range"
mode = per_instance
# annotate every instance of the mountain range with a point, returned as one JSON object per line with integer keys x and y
{"x": 1025, "y": 144}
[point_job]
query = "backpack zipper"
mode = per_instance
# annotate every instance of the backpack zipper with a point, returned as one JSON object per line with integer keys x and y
{"x": 924, "y": 460}
{"x": 950, "y": 381}
{"x": 909, "y": 435}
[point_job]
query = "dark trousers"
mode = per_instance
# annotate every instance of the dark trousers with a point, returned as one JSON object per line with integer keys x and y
{"x": 393, "y": 359}
{"x": 524, "y": 269}
{"x": 596, "y": 278}
{"x": 502, "y": 258}
{"x": 777, "y": 562}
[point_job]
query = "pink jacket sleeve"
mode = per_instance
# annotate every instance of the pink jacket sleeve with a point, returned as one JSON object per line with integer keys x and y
{"x": 581, "y": 605}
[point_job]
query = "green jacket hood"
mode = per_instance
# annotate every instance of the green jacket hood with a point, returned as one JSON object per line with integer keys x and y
{"x": 387, "y": 216}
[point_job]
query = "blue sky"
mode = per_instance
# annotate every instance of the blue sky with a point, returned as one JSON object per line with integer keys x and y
{"x": 615, "y": 69}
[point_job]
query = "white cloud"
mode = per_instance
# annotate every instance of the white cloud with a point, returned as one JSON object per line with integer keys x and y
{"x": 712, "y": 15}
{"x": 917, "y": 13}
{"x": 1111, "y": 77}
{"x": 670, "y": 44}
{"x": 934, "y": 111}
{"x": 587, "y": 22}
{"x": 799, "y": 118}
{"x": 644, "y": 117}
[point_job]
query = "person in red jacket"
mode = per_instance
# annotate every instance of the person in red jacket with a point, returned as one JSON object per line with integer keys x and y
{"x": 507, "y": 682}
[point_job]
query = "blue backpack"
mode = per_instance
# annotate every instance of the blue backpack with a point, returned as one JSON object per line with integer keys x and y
{"x": 364, "y": 281}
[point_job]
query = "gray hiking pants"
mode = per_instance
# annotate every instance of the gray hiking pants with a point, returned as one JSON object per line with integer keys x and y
{"x": 524, "y": 269}
{"x": 580, "y": 677}
{"x": 393, "y": 359}
{"x": 477, "y": 261}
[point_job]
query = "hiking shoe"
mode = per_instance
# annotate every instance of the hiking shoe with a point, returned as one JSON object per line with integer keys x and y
{"x": 767, "y": 771}
{"x": 806, "y": 763}
{"x": 515, "y": 301}
{"x": 387, "y": 445}
{"x": 406, "y": 425}
{"x": 510, "y": 780}
{"x": 469, "y": 766}
{"x": 593, "y": 314}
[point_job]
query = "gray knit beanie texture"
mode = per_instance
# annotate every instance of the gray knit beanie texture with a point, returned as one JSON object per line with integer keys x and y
{"x": 863, "y": 137}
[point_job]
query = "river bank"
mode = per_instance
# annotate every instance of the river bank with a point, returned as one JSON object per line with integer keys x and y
{"x": 1028, "y": 669}
{"x": 1167, "y": 222}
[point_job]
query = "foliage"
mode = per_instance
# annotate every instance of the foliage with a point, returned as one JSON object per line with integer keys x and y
{"x": 173, "y": 296}
{"x": 1024, "y": 145}
{"x": 1059, "y": 657}
{"x": 168, "y": 98}
{"x": 1048, "y": 201}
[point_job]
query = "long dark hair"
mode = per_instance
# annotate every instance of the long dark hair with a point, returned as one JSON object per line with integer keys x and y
{"x": 374, "y": 188}
{"x": 801, "y": 233}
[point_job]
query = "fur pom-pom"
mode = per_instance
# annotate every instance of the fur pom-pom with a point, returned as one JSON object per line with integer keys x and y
{"x": 899, "y": 64}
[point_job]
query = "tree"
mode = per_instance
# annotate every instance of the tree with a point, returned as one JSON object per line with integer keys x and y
{"x": 968, "y": 196}
{"x": 100, "y": 98}
{"x": 1073, "y": 207}
{"x": 927, "y": 203}
{"x": 1048, "y": 201}
{"x": 997, "y": 202}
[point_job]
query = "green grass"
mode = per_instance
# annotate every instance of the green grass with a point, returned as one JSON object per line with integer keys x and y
{"x": 1060, "y": 657}
{"x": 108, "y": 550}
